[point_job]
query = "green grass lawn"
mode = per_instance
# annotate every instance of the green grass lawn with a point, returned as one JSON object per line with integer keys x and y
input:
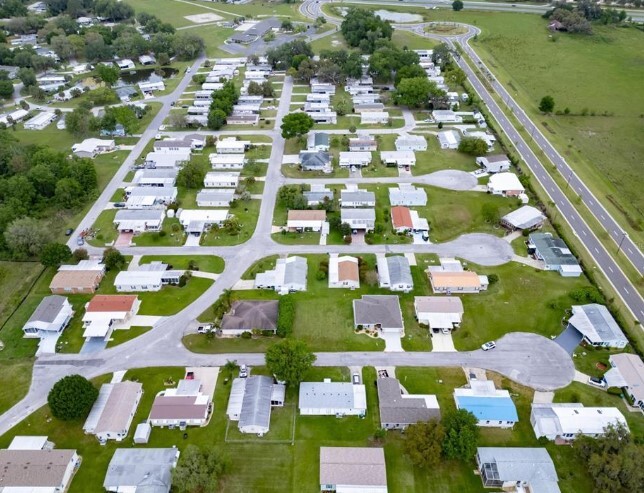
{"x": 15, "y": 378}
{"x": 170, "y": 235}
{"x": 104, "y": 228}
{"x": 436, "y": 159}
{"x": 247, "y": 214}
{"x": 121, "y": 336}
{"x": 513, "y": 305}
{"x": 170, "y": 10}
{"x": 16, "y": 279}
{"x": 410, "y": 41}
{"x": 206, "y": 263}
{"x": 172, "y": 299}
{"x": 267, "y": 263}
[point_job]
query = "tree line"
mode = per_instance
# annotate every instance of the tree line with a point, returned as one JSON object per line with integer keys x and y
{"x": 36, "y": 183}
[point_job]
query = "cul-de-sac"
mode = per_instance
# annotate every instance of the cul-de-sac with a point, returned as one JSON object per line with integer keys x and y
{"x": 335, "y": 246}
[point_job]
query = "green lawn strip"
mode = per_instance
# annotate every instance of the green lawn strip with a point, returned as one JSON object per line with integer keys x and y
{"x": 294, "y": 171}
{"x": 267, "y": 263}
{"x": 410, "y": 41}
{"x": 200, "y": 343}
{"x": 247, "y": 214}
{"x": 121, "y": 336}
{"x": 594, "y": 397}
{"x": 15, "y": 378}
{"x": 104, "y": 229}
{"x": 511, "y": 305}
{"x": 587, "y": 359}
{"x": 170, "y": 235}
{"x": 107, "y": 165}
{"x": 16, "y": 280}
{"x": 173, "y": 299}
{"x": 206, "y": 263}
{"x": 171, "y": 11}
{"x": 118, "y": 196}
{"x": 57, "y": 140}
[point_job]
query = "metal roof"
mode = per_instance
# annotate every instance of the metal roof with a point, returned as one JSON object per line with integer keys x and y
{"x": 596, "y": 323}
{"x": 554, "y": 251}
{"x": 332, "y": 395}
{"x": 256, "y": 405}
{"x": 488, "y": 408}
{"x": 399, "y": 270}
{"x": 525, "y": 217}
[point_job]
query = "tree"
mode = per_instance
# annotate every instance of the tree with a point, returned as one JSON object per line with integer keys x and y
{"x": 296, "y": 125}
{"x": 363, "y": 29}
{"x": 409, "y": 72}
{"x": 191, "y": 175}
{"x": 289, "y": 360}
{"x": 414, "y": 92}
{"x": 547, "y": 104}
{"x": 285, "y": 315}
{"x": 187, "y": 46}
{"x": 108, "y": 73}
{"x": 71, "y": 398}
{"x": 461, "y": 435}
{"x": 113, "y": 259}
{"x": 457, "y": 5}
{"x": 54, "y": 254}
{"x": 199, "y": 470}
{"x": 613, "y": 460}
{"x": 472, "y": 146}
{"x": 80, "y": 254}
{"x": 27, "y": 76}
{"x": 423, "y": 443}
{"x": 216, "y": 119}
{"x": 25, "y": 237}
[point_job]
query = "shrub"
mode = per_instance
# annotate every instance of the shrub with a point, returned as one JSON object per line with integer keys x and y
{"x": 285, "y": 316}
{"x": 320, "y": 275}
{"x": 162, "y": 233}
{"x": 352, "y": 129}
{"x": 614, "y": 391}
{"x": 246, "y": 335}
{"x": 72, "y": 397}
{"x": 493, "y": 279}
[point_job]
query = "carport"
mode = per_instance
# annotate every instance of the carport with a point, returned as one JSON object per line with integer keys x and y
{"x": 569, "y": 339}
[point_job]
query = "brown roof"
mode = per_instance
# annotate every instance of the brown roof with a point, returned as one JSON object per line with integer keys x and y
{"x": 306, "y": 215}
{"x": 465, "y": 279}
{"x": 177, "y": 407}
{"x": 111, "y": 303}
{"x": 348, "y": 271}
{"x": 118, "y": 408}
{"x": 354, "y": 466}
{"x": 401, "y": 217}
{"x": 76, "y": 279}
{"x": 34, "y": 468}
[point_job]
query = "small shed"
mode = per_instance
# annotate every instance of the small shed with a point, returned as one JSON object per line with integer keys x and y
{"x": 142, "y": 433}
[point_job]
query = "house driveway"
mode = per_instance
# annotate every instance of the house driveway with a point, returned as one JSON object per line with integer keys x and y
{"x": 123, "y": 240}
{"x": 442, "y": 343}
{"x": 192, "y": 240}
{"x": 569, "y": 339}
{"x": 392, "y": 342}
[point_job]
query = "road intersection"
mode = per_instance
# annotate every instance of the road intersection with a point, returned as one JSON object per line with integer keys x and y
{"x": 526, "y": 358}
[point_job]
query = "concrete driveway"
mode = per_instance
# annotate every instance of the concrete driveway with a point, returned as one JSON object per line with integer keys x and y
{"x": 569, "y": 339}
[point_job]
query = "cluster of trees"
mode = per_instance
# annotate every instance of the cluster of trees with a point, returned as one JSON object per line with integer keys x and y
{"x": 289, "y": 360}
{"x": 35, "y": 182}
{"x": 334, "y": 67}
{"x": 291, "y": 197}
{"x": 81, "y": 122}
{"x": 6, "y": 86}
{"x": 613, "y": 461}
{"x": 191, "y": 175}
{"x": 289, "y": 54}
{"x": 365, "y": 30}
{"x": 455, "y": 438}
{"x": 199, "y": 470}
{"x": 12, "y": 8}
{"x": 222, "y": 104}
{"x": 577, "y": 17}
{"x": 265, "y": 89}
{"x": 25, "y": 56}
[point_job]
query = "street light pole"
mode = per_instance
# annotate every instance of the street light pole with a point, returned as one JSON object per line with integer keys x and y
{"x": 568, "y": 182}
{"x": 619, "y": 247}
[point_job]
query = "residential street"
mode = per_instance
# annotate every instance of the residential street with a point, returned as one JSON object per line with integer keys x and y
{"x": 529, "y": 359}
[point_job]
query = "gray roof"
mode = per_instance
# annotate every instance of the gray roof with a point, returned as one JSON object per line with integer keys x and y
{"x": 353, "y": 466}
{"x": 532, "y": 465}
{"x": 256, "y": 406}
{"x": 148, "y": 469}
{"x": 399, "y": 270}
{"x": 378, "y": 309}
{"x": 216, "y": 195}
{"x": 366, "y": 214}
{"x": 525, "y": 217}
{"x": 139, "y": 215}
{"x": 395, "y": 409}
{"x": 334, "y": 395}
{"x": 320, "y": 139}
{"x": 318, "y": 196}
{"x": 314, "y": 159}
{"x": 160, "y": 173}
{"x": 553, "y": 250}
{"x": 249, "y": 315}
{"x": 595, "y": 322}
{"x": 295, "y": 270}
{"x": 357, "y": 196}
{"x": 497, "y": 158}
{"x": 172, "y": 143}
{"x": 48, "y": 309}
{"x": 152, "y": 191}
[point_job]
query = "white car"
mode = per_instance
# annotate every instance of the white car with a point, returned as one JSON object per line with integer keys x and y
{"x": 243, "y": 371}
{"x": 488, "y": 345}
{"x": 597, "y": 382}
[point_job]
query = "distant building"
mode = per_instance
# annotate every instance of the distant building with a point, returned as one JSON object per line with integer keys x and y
{"x": 554, "y": 253}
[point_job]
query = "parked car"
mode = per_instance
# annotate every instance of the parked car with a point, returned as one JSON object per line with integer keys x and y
{"x": 119, "y": 205}
{"x": 204, "y": 329}
{"x": 80, "y": 241}
{"x": 356, "y": 379}
{"x": 597, "y": 382}
{"x": 190, "y": 375}
{"x": 488, "y": 345}
{"x": 69, "y": 231}
{"x": 243, "y": 371}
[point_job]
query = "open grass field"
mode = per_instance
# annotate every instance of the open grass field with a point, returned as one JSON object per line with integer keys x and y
{"x": 523, "y": 300}
{"x": 121, "y": 336}
{"x": 16, "y": 279}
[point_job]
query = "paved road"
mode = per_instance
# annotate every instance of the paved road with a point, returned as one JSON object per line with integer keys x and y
{"x": 528, "y": 359}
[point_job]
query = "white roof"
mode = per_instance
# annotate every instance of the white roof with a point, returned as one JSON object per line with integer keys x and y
{"x": 90, "y": 145}
{"x": 505, "y": 181}
{"x": 39, "y": 119}
{"x": 28, "y": 443}
{"x": 227, "y": 158}
{"x": 84, "y": 265}
{"x": 137, "y": 277}
{"x": 207, "y": 215}
{"x": 398, "y": 155}
{"x": 355, "y": 156}
{"x": 574, "y": 418}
